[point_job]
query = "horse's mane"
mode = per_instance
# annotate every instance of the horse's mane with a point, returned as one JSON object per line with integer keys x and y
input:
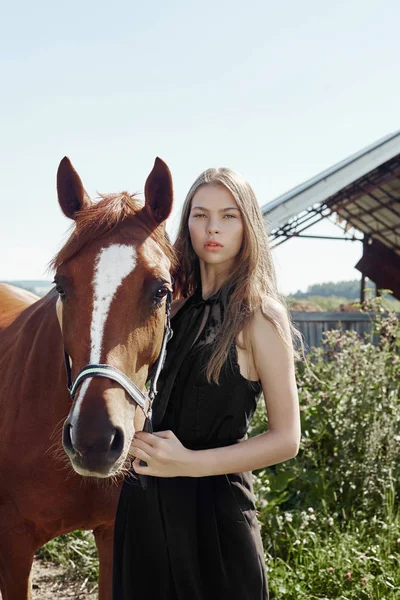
{"x": 105, "y": 215}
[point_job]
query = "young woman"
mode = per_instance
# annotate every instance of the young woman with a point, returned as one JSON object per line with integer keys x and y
{"x": 192, "y": 533}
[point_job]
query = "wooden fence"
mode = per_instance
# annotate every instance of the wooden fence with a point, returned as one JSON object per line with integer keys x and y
{"x": 313, "y": 324}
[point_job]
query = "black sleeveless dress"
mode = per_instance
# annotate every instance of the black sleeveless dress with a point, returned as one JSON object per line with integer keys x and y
{"x": 193, "y": 538}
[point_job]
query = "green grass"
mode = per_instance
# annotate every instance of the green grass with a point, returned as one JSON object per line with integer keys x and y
{"x": 326, "y": 558}
{"x": 309, "y": 556}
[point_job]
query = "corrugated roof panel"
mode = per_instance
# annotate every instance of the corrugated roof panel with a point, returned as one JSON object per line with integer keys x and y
{"x": 320, "y": 188}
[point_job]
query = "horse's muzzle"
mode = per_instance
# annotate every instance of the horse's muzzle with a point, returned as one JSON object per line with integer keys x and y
{"x": 98, "y": 458}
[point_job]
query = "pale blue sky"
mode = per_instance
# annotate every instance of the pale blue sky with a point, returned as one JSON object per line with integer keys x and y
{"x": 276, "y": 91}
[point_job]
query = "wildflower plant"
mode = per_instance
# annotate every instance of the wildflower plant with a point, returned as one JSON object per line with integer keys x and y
{"x": 343, "y": 485}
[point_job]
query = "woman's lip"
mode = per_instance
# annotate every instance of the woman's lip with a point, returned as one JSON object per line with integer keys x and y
{"x": 212, "y": 245}
{"x": 210, "y": 248}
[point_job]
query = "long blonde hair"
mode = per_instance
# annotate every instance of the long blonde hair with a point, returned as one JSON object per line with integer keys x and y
{"x": 252, "y": 280}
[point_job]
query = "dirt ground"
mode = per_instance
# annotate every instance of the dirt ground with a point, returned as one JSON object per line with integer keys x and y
{"x": 47, "y": 585}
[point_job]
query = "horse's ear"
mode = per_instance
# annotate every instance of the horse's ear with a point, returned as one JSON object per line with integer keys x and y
{"x": 158, "y": 191}
{"x": 72, "y": 196}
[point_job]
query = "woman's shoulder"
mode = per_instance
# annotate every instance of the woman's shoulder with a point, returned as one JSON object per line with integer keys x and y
{"x": 269, "y": 311}
{"x": 273, "y": 307}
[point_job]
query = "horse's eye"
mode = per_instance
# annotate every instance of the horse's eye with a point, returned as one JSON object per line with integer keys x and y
{"x": 60, "y": 290}
{"x": 161, "y": 293}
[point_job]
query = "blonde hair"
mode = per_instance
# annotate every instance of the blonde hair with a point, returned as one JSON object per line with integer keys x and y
{"x": 253, "y": 279}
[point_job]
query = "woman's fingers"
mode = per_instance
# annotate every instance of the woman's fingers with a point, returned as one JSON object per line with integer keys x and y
{"x": 142, "y": 445}
{"x": 168, "y": 434}
{"x": 140, "y": 454}
{"x": 146, "y": 437}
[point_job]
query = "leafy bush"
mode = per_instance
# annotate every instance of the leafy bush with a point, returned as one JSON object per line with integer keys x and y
{"x": 76, "y": 551}
{"x": 343, "y": 486}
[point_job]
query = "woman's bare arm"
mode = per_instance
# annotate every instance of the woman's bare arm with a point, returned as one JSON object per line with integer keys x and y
{"x": 275, "y": 366}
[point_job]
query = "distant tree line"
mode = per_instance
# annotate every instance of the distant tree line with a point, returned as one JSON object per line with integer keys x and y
{"x": 344, "y": 289}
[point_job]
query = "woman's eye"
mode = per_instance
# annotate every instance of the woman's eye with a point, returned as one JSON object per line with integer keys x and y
{"x": 199, "y": 215}
{"x": 230, "y": 216}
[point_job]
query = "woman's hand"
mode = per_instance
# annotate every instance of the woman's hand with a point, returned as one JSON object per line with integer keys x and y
{"x": 164, "y": 454}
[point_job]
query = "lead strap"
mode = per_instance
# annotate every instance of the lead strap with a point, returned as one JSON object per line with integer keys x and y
{"x": 148, "y": 424}
{"x": 163, "y": 352}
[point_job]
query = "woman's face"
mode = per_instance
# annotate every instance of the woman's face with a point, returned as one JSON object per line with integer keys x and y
{"x": 215, "y": 224}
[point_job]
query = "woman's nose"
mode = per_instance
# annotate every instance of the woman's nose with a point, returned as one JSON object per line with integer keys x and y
{"x": 213, "y": 228}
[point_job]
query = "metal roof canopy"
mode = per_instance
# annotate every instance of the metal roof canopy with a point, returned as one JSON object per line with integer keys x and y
{"x": 363, "y": 192}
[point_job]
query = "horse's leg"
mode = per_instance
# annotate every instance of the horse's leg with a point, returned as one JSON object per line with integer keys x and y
{"x": 104, "y": 541}
{"x": 17, "y": 549}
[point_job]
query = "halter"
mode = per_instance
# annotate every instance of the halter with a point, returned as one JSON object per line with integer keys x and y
{"x": 110, "y": 372}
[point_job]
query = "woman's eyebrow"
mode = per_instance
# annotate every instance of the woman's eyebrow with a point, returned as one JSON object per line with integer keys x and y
{"x": 221, "y": 210}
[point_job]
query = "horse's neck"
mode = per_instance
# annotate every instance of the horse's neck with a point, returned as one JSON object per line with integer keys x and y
{"x": 31, "y": 354}
{"x": 13, "y": 301}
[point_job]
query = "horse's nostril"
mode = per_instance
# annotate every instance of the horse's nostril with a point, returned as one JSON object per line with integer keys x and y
{"x": 117, "y": 445}
{"x": 66, "y": 438}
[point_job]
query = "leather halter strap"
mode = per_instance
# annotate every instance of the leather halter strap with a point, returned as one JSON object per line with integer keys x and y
{"x": 110, "y": 372}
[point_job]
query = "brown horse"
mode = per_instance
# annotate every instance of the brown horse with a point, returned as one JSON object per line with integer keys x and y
{"x": 108, "y": 307}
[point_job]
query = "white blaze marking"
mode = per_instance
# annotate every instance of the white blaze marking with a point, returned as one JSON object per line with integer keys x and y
{"x": 112, "y": 265}
{"x": 78, "y": 403}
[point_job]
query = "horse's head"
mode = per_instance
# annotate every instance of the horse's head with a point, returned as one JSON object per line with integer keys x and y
{"x": 112, "y": 277}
